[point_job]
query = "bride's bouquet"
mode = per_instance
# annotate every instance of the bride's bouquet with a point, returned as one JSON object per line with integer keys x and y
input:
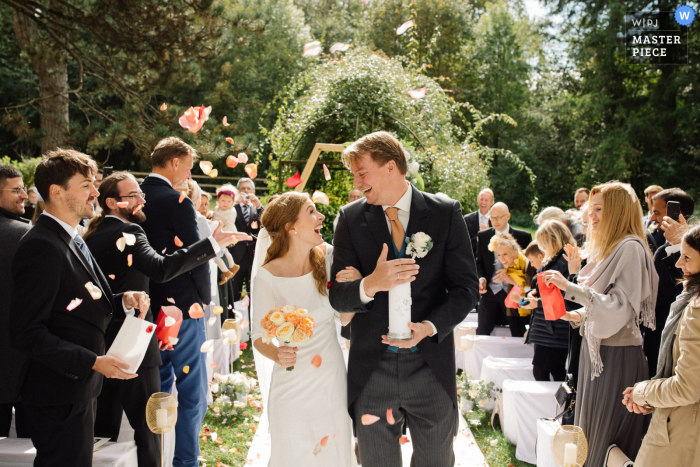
{"x": 291, "y": 325}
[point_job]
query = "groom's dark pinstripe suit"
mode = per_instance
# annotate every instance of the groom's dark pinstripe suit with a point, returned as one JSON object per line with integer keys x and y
{"x": 419, "y": 386}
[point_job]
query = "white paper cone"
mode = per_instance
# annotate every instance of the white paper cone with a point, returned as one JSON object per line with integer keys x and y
{"x": 400, "y": 313}
{"x": 132, "y": 341}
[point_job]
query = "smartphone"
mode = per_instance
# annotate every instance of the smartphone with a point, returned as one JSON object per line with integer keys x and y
{"x": 107, "y": 171}
{"x": 523, "y": 302}
{"x": 673, "y": 210}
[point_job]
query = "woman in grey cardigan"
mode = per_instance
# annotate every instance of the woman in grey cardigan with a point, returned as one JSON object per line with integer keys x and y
{"x": 617, "y": 290}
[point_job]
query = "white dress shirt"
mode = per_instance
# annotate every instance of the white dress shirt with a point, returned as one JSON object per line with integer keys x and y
{"x": 506, "y": 230}
{"x": 484, "y": 218}
{"x": 161, "y": 177}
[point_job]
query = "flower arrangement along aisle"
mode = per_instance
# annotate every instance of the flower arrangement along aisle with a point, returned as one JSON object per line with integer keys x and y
{"x": 291, "y": 325}
{"x": 474, "y": 391}
{"x": 233, "y": 386}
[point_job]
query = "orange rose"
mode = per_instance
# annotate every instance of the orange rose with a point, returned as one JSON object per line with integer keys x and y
{"x": 272, "y": 331}
{"x": 293, "y": 317}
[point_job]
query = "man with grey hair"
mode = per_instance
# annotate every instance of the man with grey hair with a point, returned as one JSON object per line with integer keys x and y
{"x": 481, "y": 218}
{"x": 249, "y": 211}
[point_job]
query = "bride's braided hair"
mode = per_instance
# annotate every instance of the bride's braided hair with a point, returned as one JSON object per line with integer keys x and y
{"x": 278, "y": 217}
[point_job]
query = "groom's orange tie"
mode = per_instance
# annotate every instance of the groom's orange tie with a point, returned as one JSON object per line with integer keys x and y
{"x": 397, "y": 233}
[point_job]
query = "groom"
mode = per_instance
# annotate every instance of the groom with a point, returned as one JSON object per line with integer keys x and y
{"x": 416, "y": 378}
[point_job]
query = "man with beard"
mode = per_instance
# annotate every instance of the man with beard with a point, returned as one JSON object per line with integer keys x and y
{"x": 121, "y": 201}
{"x": 63, "y": 305}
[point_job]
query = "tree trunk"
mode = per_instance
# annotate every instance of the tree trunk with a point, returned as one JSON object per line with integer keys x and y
{"x": 50, "y": 67}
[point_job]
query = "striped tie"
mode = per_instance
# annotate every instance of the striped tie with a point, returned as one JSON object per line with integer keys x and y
{"x": 84, "y": 249}
{"x": 246, "y": 213}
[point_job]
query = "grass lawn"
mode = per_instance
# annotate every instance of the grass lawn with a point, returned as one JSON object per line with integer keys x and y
{"x": 501, "y": 455}
{"x": 532, "y": 231}
{"x": 235, "y": 428}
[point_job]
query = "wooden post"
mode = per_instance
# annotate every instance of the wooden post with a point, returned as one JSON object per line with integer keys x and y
{"x": 311, "y": 163}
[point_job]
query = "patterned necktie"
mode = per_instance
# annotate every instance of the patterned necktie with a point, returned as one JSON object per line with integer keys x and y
{"x": 397, "y": 232}
{"x": 246, "y": 213}
{"x": 84, "y": 249}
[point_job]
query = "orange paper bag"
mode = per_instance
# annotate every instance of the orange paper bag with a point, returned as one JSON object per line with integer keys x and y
{"x": 168, "y": 324}
{"x": 552, "y": 299}
{"x": 513, "y": 298}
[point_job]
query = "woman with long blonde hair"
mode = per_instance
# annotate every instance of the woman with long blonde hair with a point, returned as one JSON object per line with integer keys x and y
{"x": 617, "y": 293}
{"x": 309, "y": 403}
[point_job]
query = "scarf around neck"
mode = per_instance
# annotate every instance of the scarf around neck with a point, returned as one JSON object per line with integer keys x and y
{"x": 668, "y": 336}
{"x": 631, "y": 270}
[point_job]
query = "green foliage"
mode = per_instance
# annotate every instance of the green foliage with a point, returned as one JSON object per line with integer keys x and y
{"x": 26, "y": 166}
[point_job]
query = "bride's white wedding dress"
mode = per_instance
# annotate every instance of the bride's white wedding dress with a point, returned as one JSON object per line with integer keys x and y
{"x": 307, "y": 404}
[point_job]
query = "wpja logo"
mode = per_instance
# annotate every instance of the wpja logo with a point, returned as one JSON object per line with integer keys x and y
{"x": 684, "y": 15}
{"x": 658, "y": 37}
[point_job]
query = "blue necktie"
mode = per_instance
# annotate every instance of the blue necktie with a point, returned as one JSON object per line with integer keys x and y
{"x": 84, "y": 249}
{"x": 246, "y": 213}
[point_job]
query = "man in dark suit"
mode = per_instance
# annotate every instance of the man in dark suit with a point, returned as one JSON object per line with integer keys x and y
{"x": 665, "y": 260}
{"x": 481, "y": 218}
{"x": 492, "y": 277}
{"x": 66, "y": 305}
{"x": 169, "y": 221}
{"x": 414, "y": 378}
{"x": 103, "y": 233}
{"x": 248, "y": 214}
{"x": 12, "y": 362}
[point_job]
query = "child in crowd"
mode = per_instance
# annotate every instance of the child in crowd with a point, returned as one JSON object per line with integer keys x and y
{"x": 517, "y": 269}
{"x": 534, "y": 255}
{"x": 225, "y": 213}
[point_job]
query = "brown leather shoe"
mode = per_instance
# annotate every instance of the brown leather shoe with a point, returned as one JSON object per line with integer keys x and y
{"x": 234, "y": 270}
{"x": 225, "y": 276}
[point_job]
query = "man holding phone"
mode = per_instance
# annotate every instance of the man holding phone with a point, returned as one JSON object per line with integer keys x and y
{"x": 670, "y": 204}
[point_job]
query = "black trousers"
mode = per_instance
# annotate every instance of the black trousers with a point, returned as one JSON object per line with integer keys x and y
{"x": 130, "y": 397}
{"x": 20, "y": 420}
{"x": 242, "y": 277}
{"x": 492, "y": 312}
{"x": 62, "y": 434}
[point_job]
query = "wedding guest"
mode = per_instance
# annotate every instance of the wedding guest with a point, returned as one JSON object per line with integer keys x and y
{"x": 551, "y": 338}
{"x": 205, "y": 198}
{"x": 617, "y": 290}
{"x": 492, "y": 276}
{"x": 672, "y": 395}
{"x": 649, "y": 193}
{"x": 30, "y": 203}
{"x": 481, "y": 218}
{"x": 224, "y": 213}
{"x": 572, "y": 222}
{"x": 147, "y": 264}
{"x": 580, "y": 197}
{"x": 353, "y": 195}
{"x": 12, "y": 362}
{"x": 665, "y": 260}
{"x": 518, "y": 271}
{"x": 62, "y": 324}
{"x": 170, "y": 220}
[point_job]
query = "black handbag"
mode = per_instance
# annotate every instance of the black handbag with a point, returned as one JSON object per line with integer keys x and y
{"x": 566, "y": 398}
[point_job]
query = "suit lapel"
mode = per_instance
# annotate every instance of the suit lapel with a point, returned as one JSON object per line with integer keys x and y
{"x": 420, "y": 215}
{"x": 376, "y": 222}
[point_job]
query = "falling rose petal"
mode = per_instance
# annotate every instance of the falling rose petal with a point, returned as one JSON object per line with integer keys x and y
{"x": 178, "y": 242}
{"x": 339, "y": 47}
{"x": 137, "y": 209}
{"x": 246, "y": 301}
{"x": 251, "y": 170}
{"x": 243, "y": 345}
{"x": 213, "y": 364}
{"x": 174, "y": 340}
{"x": 231, "y": 161}
{"x": 112, "y": 276}
{"x": 326, "y": 172}
{"x": 206, "y": 166}
{"x": 316, "y": 361}
{"x": 211, "y": 321}
{"x": 149, "y": 329}
{"x": 121, "y": 243}
{"x": 183, "y": 195}
{"x": 164, "y": 106}
{"x": 218, "y": 310}
{"x": 225, "y": 121}
{"x": 95, "y": 291}
{"x": 213, "y": 173}
{"x": 390, "y": 417}
{"x": 368, "y": 419}
{"x": 242, "y": 158}
{"x": 193, "y": 119}
{"x": 324, "y": 441}
{"x": 404, "y": 27}
{"x": 164, "y": 250}
{"x": 169, "y": 321}
{"x": 418, "y": 93}
{"x": 186, "y": 369}
{"x": 196, "y": 311}
{"x": 254, "y": 224}
{"x": 312, "y": 49}
{"x": 336, "y": 434}
{"x": 320, "y": 198}
{"x": 129, "y": 238}
{"x": 403, "y": 440}
{"x": 207, "y": 346}
{"x": 74, "y": 304}
{"x": 229, "y": 140}
{"x": 123, "y": 204}
{"x": 317, "y": 449}
{"x": 294, "y": 180}
{"x": 171, "y": 300}
{"x": 366, "y": 2}
{"x": 129, "y": 260}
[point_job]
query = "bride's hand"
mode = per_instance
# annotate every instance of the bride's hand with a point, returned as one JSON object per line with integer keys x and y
{"x": 286, "y": 356}
{"x": 349, "y": 274}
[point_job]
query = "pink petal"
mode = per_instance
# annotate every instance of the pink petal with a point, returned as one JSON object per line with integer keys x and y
{"x": 112, "y": 276}
{"x": 164, "y": 106}
{"x": 246, "y": 301}
{"x": 242, "y": 158}
{"x": 229, "y": 140}
{"x": 418, "y": 93}
{"x": 184, "y": 123}
{"x": 182, "y": 196}
{"x": 225, "y": 122}
{"x": 294, "y": 180}
{"x": 320, "y": 198}
{"x": 171, "y": 300}
{"x": 251, "y": 170}
{"x": 405, "y": 27}
{"x": 74, "y": 304}
{"x": 335, "y": 435}
{"x": 326, "y": 172}
{"x": 404, "y": 440}
{"x": 123, "y": 204}
{"x": 390, "y": 417}
{"x": 312, "y": 49}
{"x": 368, "y": 419}
{"x": 206, "y": 166}
{"x": 317, "y": 449}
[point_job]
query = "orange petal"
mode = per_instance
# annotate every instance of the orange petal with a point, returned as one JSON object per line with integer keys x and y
{"x": 324, "y": 441}
{"x": 123, "y": 204}
{"x": 251, "y": 170}
{"x": 183, "y": 194}
{"x": 178, "y": 242}
{"x": 218, "y": 310}
{"x": 164, "y": 106}
{"x": 213, "y": 173}
{"x": 404, "y": 440}
{"x": 196, "y": 311}
{"x": 121, "y": 243}
{"x": 368, "y": 419}
{"x": 112, "y": 276}
{"x": 206, "y": 166}
{"x": 316, "y": 361}
{"x": 326, "y": 172}
{"x": 231, "y": 161}
{"x": 129, "y": 260}
{"x": 74, "y": 304}
{"x": 242, "y": 158}
{"x": 186, "y": 369}
{"x": 137, "y": 208}
{"x": 229, "y": 140}
{"x": 390, "y": 417}
{"x": 213, "y": 364}
{"x": 171, "y": 300}
{"x": 225, "y": 121}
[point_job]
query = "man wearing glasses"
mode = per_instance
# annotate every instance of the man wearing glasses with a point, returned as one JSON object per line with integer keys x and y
{"x": 492, "y": 277}
{"x": 12, "y": 229}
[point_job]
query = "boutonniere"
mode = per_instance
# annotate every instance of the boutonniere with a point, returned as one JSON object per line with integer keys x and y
{"x": 418, "y": 245}
{"x": 652, "y": 227}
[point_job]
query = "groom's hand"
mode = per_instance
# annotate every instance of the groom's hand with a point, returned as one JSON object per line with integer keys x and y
{"x": 389, "y": 274}
{"x": 420, "y": 331}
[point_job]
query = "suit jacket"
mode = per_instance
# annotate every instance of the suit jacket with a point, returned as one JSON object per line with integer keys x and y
{"x": 444, "y": 291}
{"x": 472, "y": 220}
{"x": 12, "y": 361}
{"x": 485, "y": 259}
{"x": 167, "y": 218}
{"x": 49, "y": 271}
{"x": 245, "y": 251}
{"x": 147, "y": 265}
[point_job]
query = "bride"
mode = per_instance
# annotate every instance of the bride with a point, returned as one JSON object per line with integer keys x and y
{"x": 309, "y": 403}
